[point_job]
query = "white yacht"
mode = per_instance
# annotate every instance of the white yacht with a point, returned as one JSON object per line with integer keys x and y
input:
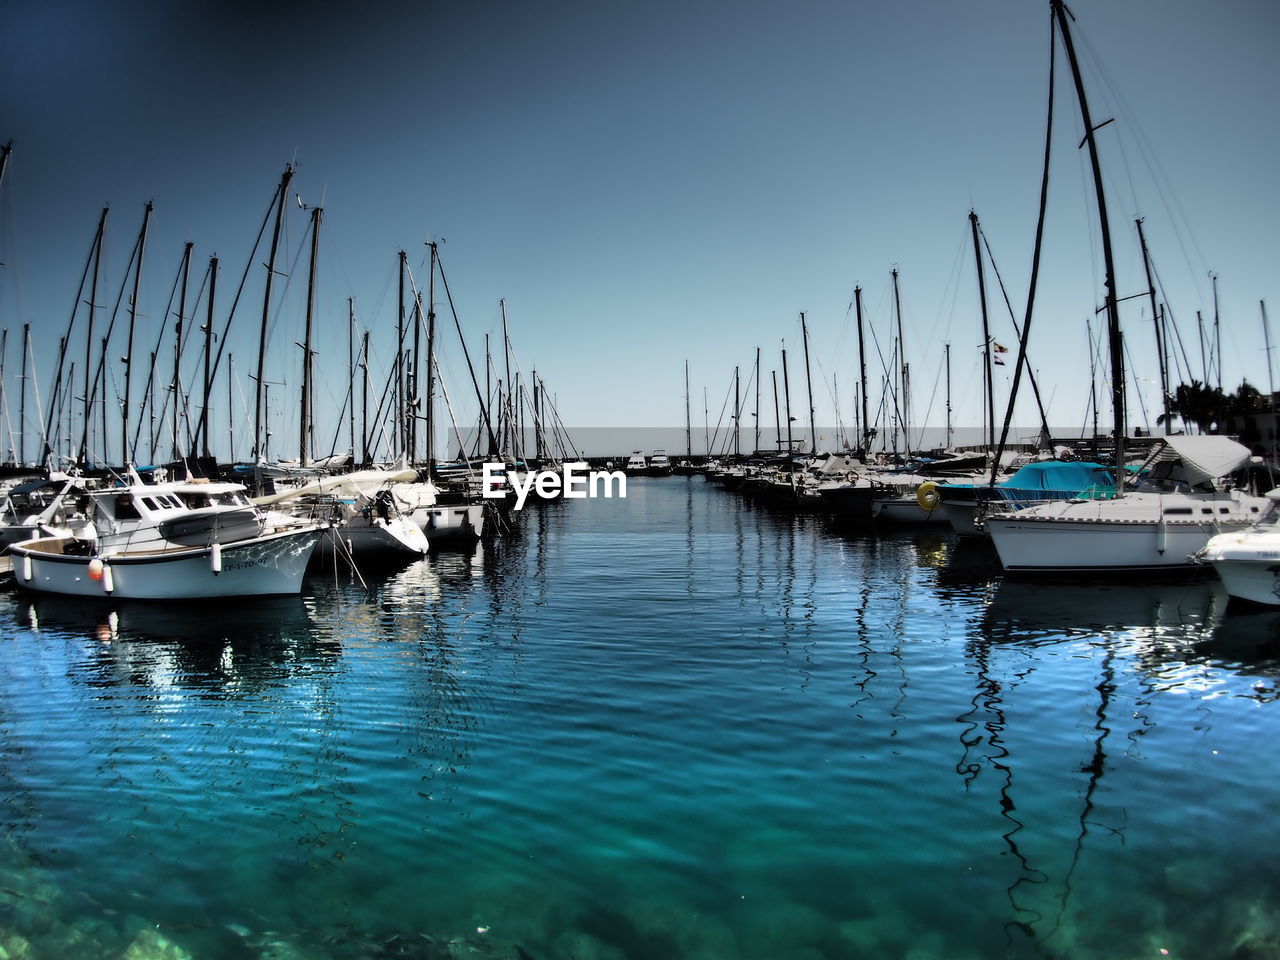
{"x": 637, "y": 463}
{"x": 1167, "y": 514}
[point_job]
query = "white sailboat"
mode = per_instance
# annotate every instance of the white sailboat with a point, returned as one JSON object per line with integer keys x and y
{"x": 1169, "y": 513}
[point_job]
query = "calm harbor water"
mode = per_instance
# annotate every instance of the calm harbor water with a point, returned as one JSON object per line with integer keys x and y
{"x": 673, "y": 726}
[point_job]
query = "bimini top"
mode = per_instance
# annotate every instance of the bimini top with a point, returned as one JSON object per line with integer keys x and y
{"x": 1204, "y": 459}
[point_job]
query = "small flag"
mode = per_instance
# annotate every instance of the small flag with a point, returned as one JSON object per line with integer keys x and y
{"x": 999, "y": 348}
{"x": 999, "y": 361}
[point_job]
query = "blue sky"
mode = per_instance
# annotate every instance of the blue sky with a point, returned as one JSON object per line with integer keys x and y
{"x": 650, "y": 183}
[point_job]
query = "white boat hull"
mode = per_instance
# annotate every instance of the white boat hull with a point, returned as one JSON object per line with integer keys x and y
{"x": 367, "y": 537}
{"x": 452, "y": 523}
{"x": 905, "y": 510}
{"x": 1248, "y": 563}
{"x": 263, "y": 566}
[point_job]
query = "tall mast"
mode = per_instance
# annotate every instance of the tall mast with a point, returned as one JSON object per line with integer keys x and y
{"x": 351, "y": 375}
{"x": 429, "y": 423}
{"x": 397, "y": 421}
{"x": 902, "y": 403}
{"x": 133, "y": 319}
{"x": 777, "y": 417}
{"x": 305, "y": 428}
{"x": 1217, "y": 331}
{"x": 364, "y": 402}
{"x": 786, "y": 394}
{"x": 88, "y": 338}
{"x": 688, "y": 422}
{"x": 757, "y": 379}
{"x": 260, "y": 391}
{"x": 22, "y": 394}
{"x": 1113, "y": 313}
{"x": 862, "y": 371}
{"x": 208, "y": 359}
{"x": 1155, "y": 319}
{"x": 737, "y": 413}
{"x": 176, "y": 386}
{"x": 947, "y": 438}
{"x": 813, "y": 428}
{"x": 509, "y": 410}
{"x": 1266, "y": 339}
{"x": 986, "y": 339}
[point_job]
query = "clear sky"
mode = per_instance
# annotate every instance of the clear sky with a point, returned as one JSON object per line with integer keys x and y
{"x": 646, "y": 183}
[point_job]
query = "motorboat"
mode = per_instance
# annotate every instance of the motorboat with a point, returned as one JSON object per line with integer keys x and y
{"x": 1248, "y": 561}
{"x": 182, "y": 540}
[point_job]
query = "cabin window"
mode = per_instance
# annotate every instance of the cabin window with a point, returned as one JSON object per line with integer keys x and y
{"x": 196, "y": 500}
{"x": 1178, "y": 512}
{"x": 1224, "y": 509}
{"x": 1206, "y": 510}
{"x": 126, "y": 509}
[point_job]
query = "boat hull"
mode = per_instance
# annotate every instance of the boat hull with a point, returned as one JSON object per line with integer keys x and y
{"x": 264, "y": 566}
{"x": 1047, "y": 544}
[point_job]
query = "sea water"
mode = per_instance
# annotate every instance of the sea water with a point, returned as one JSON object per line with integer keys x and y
{"x": 672, "y": 726}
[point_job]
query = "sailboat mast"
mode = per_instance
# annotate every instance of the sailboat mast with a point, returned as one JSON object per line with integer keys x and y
{"x": 304, "y": 428}
{"x": 737, "y": 413}
{"x": 1155, "y": 319}
{"x": 1109, "y": 278}
{"x": 260, "y": 385}
{"x": 986, "y": 337}
{"x": 176, "y": 385}
{"x": 397, "y": 422}
{"x": 133, "y": 320}
{"x": 862, "y": 371}
{"x": 364, "y": 401}
{"x": 786, "y": 395}
{"x": 813, "y": 427}
{"x": 777, "y": 417}
{"x": 208, "y": 359}
{"x": 1217, "y": 331}
{"x": 688, "y": 421}
{"x": 22, "y": 393}
{"x": 757, "y": 379}
{"x": 88, "y": 338}
{"x": 902, "y": 362}
{"x": 947, "y": 438}
{"x": 429, "y": 423}
{"x": 351, "y": 375}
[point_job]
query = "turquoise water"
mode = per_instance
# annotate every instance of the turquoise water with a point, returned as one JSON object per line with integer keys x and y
{"x": 675, "y": 726}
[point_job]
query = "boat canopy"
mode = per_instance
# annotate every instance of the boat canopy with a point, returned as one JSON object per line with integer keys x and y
{"x": 1058, "y": 475}
{"x": 1204, "y": 458}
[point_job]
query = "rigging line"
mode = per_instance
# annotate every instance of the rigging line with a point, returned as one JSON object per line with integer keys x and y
{"x": 1035, "y": 387}
{"x": 444, "y": 392}
{"x": 164, "y": 326}
{"x": 1137, "y": 388}
{"x": 235, "y": 301}
{"x": 1021, "y": 363}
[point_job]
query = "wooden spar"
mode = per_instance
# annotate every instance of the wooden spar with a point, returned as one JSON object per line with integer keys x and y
{"x": 207, "y": 390}
{"x": 813, "y": 428}
{"x": 986, "y": 337}
{"x": 133, "y": 321}
{"x": 862, "y": 371}
{"x": 260, "y": 386}
{"x": 305, "y": 429}
{"x": 431, "y": 359}
{"x": 1109, "y": 272}
{"x": 1155, "y": 320}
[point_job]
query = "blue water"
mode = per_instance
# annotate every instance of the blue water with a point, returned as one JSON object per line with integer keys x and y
{"x": 672, "y": 726}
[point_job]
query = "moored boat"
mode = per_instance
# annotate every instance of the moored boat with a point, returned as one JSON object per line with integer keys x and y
{"x": 1248, "y": 561}
{"x": 171, "y": 541}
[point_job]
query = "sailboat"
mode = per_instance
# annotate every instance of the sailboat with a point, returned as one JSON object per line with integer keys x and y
{"x": 1248, "y": 561}
{"x": 1180, "y": 497}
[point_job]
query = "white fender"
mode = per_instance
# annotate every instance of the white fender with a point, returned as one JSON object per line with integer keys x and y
{"x": 215, "y": 558}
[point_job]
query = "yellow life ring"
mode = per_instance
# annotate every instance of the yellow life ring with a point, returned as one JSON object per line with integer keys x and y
{"x": 927, "y": 496}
